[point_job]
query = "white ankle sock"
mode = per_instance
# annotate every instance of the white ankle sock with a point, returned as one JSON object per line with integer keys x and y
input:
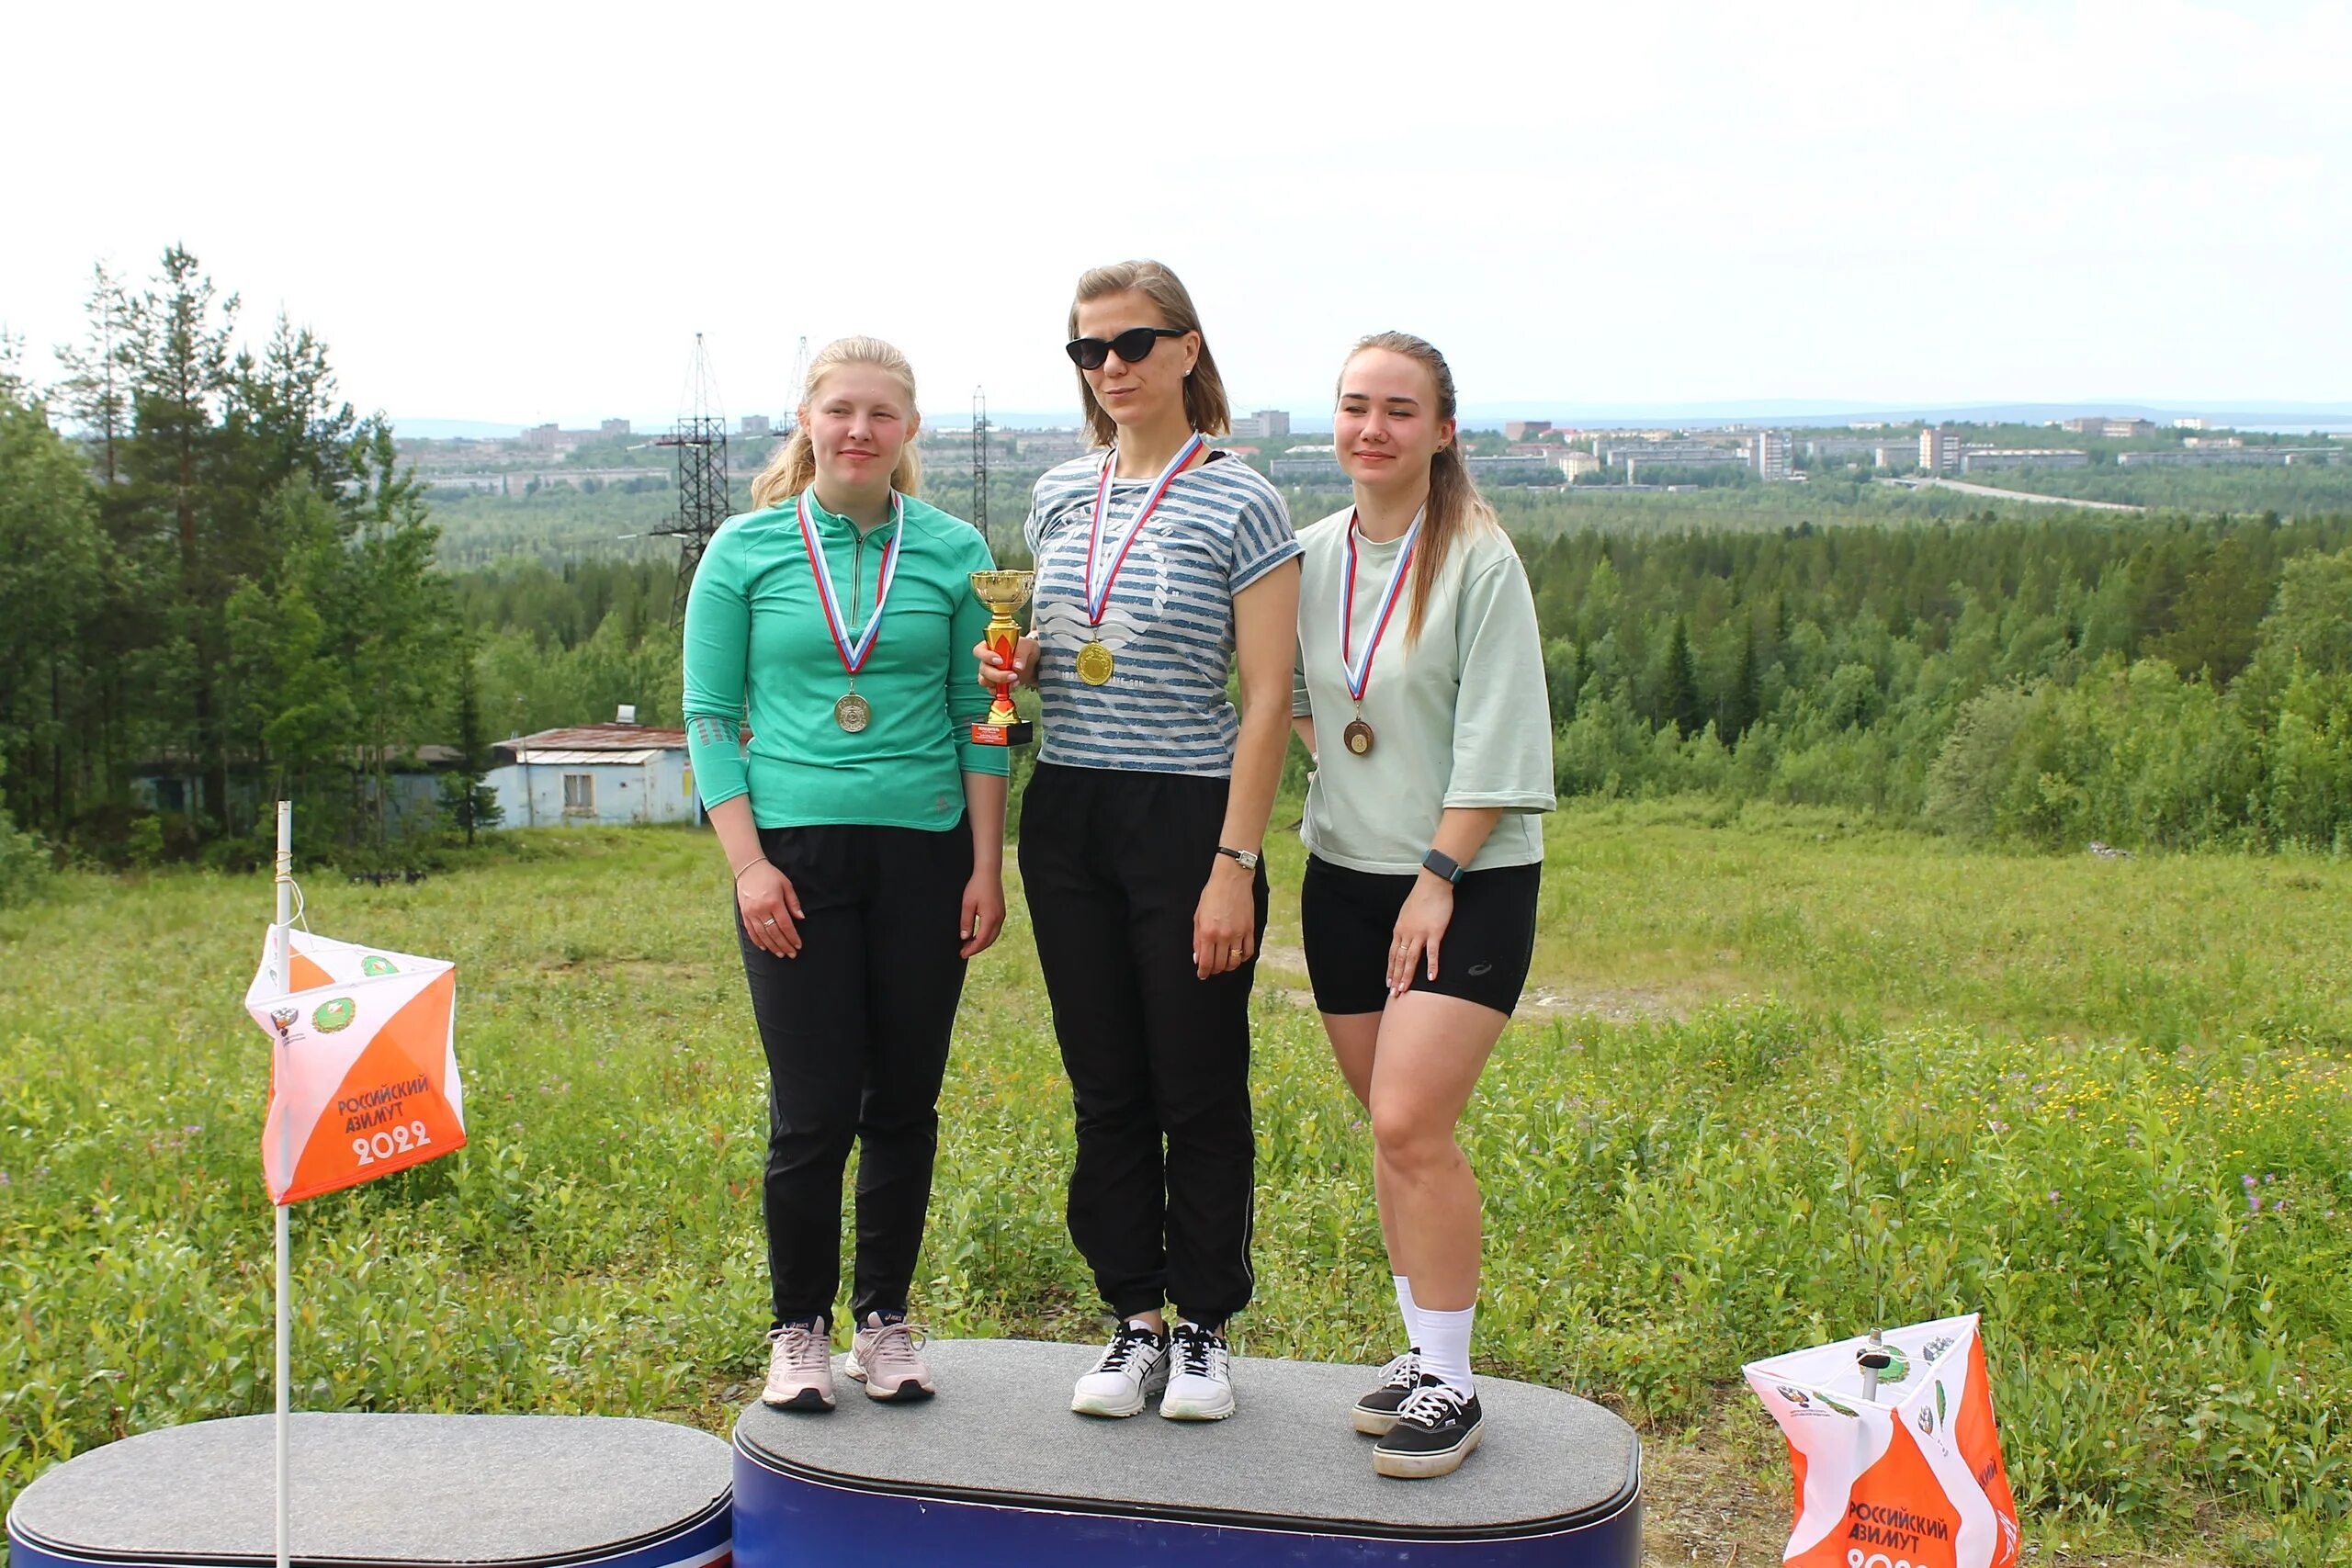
{"x": 1446, "y": 1346}
{"x": 1412, "y": 1313}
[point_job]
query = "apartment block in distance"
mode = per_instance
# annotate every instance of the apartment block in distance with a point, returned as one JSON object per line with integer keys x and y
{"x": 1263, "y": 425}
{"x": 1769, "y": 454}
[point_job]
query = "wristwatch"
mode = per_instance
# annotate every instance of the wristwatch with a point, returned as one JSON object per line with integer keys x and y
{"x": 1445, "y": 864}
{"x": 1248, "y": 858}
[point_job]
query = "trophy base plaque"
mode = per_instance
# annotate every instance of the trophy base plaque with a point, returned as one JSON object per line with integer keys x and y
{"x": 1019, "y": 732}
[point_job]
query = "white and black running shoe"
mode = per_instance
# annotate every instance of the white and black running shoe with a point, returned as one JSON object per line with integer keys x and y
{"x": 1377, "y": 1411}
{"x": 1132, "y": 1367}
{"x": 1436, "y": 1429}
{"x": 1200, "y": 1388}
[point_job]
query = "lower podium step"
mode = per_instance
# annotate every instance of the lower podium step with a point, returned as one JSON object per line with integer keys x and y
{"x": 996, "y": 1471}
{"x": 486, "y": 1491}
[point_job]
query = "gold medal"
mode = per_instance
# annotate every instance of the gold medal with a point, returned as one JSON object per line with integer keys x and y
{"x": 1095, "y": 664}
{"x": 852, "y": 712}
{"x": 1358, "y": 738}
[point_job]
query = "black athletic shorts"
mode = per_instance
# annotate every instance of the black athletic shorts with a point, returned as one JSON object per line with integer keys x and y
{"x": 1348, "y": 919}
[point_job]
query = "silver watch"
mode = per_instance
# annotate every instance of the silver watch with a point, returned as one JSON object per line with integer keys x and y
{"x": 1248, "y": 858}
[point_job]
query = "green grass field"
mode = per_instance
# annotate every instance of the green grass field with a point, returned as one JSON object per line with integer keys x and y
{"x": 1781, "y": 1076}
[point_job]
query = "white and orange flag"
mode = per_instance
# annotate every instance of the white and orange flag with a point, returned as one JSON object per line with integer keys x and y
{"x": 364, "y": 1081}
{"x": 1910, "y": 1477}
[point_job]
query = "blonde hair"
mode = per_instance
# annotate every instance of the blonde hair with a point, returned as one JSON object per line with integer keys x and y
{"x": 793, "y": 468}
{"x": 1455, "y": 509}
{"x": 1205, "y": 407}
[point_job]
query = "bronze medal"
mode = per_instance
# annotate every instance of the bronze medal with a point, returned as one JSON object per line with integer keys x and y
{"x": 852, "y": 712}
{"x": 1095, "y": 664}
{"x": 1358, "y": 738}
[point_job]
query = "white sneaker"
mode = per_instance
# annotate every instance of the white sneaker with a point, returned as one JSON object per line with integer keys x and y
{"x": 1132, "y": 1367}
{"x": 1200, "y": 1388}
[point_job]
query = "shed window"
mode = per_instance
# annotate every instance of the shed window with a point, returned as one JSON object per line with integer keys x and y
{"x": 579, "y": 792}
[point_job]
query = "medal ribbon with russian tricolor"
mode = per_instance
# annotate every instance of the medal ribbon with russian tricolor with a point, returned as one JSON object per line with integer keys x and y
{"x": 852, "y": 712}
{"x": 1359, "y": 671}
{"x": 1098, "y": 595}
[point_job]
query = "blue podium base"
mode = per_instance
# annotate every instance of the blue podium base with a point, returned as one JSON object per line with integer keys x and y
{"x": 487, "y": 1491}
{"x": 997, "y": 1473}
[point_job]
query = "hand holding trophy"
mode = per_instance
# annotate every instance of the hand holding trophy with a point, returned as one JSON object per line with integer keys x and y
{"x": 1004, "y": 592}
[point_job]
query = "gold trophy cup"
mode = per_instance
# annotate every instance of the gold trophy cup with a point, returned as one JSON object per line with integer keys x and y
{"x": 1004, "y": 592}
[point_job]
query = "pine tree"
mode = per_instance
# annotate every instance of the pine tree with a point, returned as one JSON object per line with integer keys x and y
{"x": 1744, "y": 703}
{"x": 97, "y": 390}
{"x": 1678, "y": 696}
{"x": 466, "y": 801}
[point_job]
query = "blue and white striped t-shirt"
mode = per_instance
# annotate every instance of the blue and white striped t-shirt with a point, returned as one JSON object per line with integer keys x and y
{"x": 1170, "y": 621}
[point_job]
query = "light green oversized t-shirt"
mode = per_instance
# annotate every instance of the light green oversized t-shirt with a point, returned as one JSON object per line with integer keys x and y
{"x": 1459, "y": 718}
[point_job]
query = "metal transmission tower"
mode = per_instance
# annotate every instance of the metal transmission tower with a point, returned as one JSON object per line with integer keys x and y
{"x": 980, "y": 460}
{"x": 800, "y": 384}
{"x": 700, "y": 436}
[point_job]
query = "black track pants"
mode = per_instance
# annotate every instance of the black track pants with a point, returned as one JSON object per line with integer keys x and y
{"x": 857, "y": 1030}
{"x": 1112, "y": 863}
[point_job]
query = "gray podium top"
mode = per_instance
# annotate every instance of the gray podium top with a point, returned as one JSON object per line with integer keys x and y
{"x": 427, "y": 1489}
{"x": 1002, "y": 1432}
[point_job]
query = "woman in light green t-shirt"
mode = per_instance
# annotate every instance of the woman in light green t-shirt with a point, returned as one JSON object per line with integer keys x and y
{"x": 1420, "y": 692}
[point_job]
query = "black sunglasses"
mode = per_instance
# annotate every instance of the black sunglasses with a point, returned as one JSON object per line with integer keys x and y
{"x": 1135, "y": 343}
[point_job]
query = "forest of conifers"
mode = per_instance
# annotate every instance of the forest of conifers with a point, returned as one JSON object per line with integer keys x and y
{"x": 208, "y": 559}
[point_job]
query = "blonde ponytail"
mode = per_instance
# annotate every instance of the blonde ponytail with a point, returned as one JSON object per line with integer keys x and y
{"x": 794, "y": 468}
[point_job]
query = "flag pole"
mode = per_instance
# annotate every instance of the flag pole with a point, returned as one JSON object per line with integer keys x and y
{"x": 281, "y": 939}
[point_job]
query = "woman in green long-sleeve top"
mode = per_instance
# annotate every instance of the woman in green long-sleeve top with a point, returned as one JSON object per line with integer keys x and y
{"x": 865, "y": 831}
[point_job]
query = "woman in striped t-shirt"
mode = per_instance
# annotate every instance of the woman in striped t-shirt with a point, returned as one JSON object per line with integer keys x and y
{"x": 1160, "y": 561}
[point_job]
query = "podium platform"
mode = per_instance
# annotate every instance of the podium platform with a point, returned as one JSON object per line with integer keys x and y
{"x": 997, "y": 1471}
{"x": 490, "y": 1491}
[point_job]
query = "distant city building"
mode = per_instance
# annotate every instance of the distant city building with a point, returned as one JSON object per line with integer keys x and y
{"x": 1938, "y": 453}
{"x": 2212, "y": 442}
{"x": 1573, "y": 465}
{"x": 1265, "y": 425}
{"x": 614, "y": 429}
{"x": 1524, "y": 429}
{"x": 1617, "y": 453}
{"x": 1852, "y": 448}
{"x": 1895, "y": 454}
{"x": 1866, "y": 425}
{"x": 1986, "y": 460}
{"x": 1768, "y": 456}
{"x": 757, "y": 424}
{"x": 1049, "y": 446}
{"x": 1515, "y": 470}
{"x": 1306, "y": 467}
{"x": 2107, "y": 425}
{"x": 542, "y": 437}
{"x": 2283, "y": 456}
{"x": 2192, "y": 422}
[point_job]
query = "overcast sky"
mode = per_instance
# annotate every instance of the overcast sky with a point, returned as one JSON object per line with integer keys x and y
{"x": 500, "y": 214}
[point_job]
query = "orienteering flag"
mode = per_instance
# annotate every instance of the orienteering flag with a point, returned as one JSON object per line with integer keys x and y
{"x": 364, "y": 1081}
{"x": 1912, "y": 1478}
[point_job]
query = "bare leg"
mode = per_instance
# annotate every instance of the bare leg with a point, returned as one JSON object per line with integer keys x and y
{"x": 1429, "y": 1052}
{"x": 1354, "y": 1036}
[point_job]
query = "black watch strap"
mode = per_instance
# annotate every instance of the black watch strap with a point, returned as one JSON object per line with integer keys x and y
{"x": 1445, "y": 864}
{"x": 1248, "y": 858}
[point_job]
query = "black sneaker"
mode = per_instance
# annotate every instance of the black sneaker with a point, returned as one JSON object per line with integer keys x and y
{"x": 1377, "y": 1411}
{"x": 1436, "y": 1429}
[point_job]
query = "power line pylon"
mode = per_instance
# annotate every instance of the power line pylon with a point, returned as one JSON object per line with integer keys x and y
{"x": 800, "y": 384}
{"x": 980, "y": 460}
{"x": 700, "y": 436}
